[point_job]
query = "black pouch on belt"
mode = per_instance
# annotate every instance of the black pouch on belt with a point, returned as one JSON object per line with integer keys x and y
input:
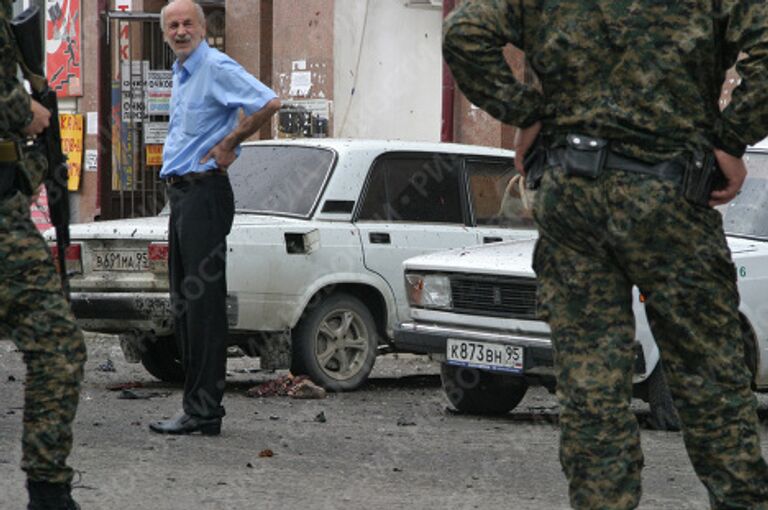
{"x": 584, "y": 156}
{"x": 702, "y": 176}
{"x": 7, "y": 178}
{"x": 535, "y": 163}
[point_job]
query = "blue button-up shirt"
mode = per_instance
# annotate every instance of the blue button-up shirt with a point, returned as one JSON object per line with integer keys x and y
{"x": 209, "y": 89}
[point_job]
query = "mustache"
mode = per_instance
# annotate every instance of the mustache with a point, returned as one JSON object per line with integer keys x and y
{"x": 182, "y": 38}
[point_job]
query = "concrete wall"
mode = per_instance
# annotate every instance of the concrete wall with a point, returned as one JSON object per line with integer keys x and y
{"x": 388, "y": 69}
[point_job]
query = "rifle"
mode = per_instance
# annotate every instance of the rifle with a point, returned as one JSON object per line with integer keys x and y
{"x": 29, "y": 41}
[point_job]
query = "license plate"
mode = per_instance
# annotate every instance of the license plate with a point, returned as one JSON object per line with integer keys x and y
{"x": 120, "y": 260}
{"x": 485, "y": 355}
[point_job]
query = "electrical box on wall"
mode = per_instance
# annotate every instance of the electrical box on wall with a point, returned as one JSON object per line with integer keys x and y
{"x": 303, "y": 118}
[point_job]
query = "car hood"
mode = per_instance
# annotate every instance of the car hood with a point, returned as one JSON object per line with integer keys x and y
{"x": 511, "y": 258}
{"x": 153, "y": 228}
{"x": 514, "y": 258}
{"x": 742, "y": 246}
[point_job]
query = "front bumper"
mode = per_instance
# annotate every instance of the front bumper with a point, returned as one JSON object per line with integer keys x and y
{"x": 432, "y": 339}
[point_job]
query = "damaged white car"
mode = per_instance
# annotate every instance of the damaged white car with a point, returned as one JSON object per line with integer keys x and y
{"x": 314, "y": 266}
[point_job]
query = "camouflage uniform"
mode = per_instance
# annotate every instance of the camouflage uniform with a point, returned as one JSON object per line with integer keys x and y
{"x": 34, "y": 313}
{"x": 647, "y": 76}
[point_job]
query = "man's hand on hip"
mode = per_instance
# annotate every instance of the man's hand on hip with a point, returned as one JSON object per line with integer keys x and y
{"x": 735, "y": 172}
{"x": 222, "y": 153}
{"x": 524, "y": 139}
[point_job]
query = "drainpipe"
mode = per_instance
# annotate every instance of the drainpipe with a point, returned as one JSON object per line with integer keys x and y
{"x": 104, "y": 94}
{"x": 449, "y": 89}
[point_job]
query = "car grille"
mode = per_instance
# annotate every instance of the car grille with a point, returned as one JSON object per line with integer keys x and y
{"x": 494, "y": 296}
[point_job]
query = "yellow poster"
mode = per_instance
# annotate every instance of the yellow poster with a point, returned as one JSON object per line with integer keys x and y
{"x": 154, "y": 155}
{"x": 71, "y": 126}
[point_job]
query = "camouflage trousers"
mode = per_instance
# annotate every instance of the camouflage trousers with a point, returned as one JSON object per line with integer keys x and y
{"x": 598, "y": 239}
{"x": 38, "y": 319}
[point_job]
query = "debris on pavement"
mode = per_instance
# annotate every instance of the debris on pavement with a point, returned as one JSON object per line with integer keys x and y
{"x": 107, "y": 366}
{"x": 320, "y": 418}
{"x": 128, "y": 394}
{"x": 288, "y": 385}
{"x": 266, "y": 453}
{"x": 124, "y": 386}
{"x": 404, "y": 422}
{"x": 11, "y": 378}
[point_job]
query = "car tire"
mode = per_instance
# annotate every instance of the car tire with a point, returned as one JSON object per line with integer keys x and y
{"x": 335, "y": 343}
{"x": 160, "y": 356}
{"x": 663, "y": 413}
{"x": 474, "y": 391}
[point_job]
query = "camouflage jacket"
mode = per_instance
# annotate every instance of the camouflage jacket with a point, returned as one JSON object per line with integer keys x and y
{"x": 14, "y": 101}
{"x": 646, "y": 74}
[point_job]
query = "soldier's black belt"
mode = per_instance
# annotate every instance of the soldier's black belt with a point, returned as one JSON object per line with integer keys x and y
{"x": 10, "y": 152}
{"x": 698, "y": 174}
{"x": 672, "y": 170}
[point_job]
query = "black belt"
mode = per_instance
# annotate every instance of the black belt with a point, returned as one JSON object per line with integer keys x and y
{"x": 193, "y": 176}
{"x": 672, "y": 169}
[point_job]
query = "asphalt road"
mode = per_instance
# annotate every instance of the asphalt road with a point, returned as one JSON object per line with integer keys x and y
{"x": 392, "y": 445}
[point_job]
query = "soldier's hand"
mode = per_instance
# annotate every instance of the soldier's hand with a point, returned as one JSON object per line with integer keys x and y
{"x": 735, "y": 172}
{"x": 524, "y": 139}
{"x": 41, "y": 119}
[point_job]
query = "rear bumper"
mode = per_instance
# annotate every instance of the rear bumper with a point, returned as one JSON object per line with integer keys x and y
{"x": 118, "y": 312}
{"x": 432, "y": 339}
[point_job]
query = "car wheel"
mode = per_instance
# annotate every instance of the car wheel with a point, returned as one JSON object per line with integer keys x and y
{"x": 476, "y": 391}
{"x": 160, "y": 357}
{"x": 663, "y": 413}
{"x": 335, "y": 343}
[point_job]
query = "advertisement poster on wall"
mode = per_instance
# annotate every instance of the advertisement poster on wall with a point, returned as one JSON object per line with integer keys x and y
{"x": 62, "y": 47}
{"x": 71, "y": 126}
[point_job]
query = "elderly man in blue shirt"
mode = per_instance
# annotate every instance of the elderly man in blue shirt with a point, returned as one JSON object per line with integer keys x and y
{"x": 206, "y": 128}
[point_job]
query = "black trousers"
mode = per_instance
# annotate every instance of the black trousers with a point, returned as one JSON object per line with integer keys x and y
{"x": 202, "y": 211}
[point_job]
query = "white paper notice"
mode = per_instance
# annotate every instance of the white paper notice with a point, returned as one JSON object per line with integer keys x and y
{"x": 301, "y": 82}
{"x": 91, "y": 160}
{"x": 92, "y": 123}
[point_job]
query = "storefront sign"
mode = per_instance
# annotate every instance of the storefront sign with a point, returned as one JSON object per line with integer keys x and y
{"x": 159, "y": 85}
{"x": 154, "y": 155}
{"x": 62, "y": 47}
{"x": 155, "y": 132}
{"x": 71, "y": 126}
{"x": 133, "y": 85}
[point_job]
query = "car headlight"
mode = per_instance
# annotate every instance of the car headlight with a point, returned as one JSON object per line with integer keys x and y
{"x": 428, "y": 290}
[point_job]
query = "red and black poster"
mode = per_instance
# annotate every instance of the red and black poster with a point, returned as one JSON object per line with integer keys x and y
{"x": 63, "y": 38}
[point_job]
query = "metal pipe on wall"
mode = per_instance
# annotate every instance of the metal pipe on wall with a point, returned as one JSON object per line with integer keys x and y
{"x": 449, "y": 90}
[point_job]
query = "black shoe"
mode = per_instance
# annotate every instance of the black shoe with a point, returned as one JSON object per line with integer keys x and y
{"x": 50, "y": 496}
{"x": 186, "y": 424}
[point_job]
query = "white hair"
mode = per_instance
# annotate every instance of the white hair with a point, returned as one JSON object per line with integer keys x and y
{"x": 198, "y": 8}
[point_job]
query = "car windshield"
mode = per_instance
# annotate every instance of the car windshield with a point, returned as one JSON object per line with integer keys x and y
{"x": 273, "y": 179}
{"x": 747, "y": 214}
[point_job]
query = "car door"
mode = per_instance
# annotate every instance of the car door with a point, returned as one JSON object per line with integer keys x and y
{"x": 500, "y": 207}
{"x": 413, "y": 203}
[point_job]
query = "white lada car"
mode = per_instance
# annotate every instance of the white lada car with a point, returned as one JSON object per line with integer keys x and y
{"x": 474, "y": 309}
{"x": 314, "y": 262}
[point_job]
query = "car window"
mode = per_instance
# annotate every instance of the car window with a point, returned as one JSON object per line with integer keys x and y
{"x": 747, "y": 214}
{"x": 416, "y": 188}
{"x": 498, "y": 195}
{"x": 280, "y": 179}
